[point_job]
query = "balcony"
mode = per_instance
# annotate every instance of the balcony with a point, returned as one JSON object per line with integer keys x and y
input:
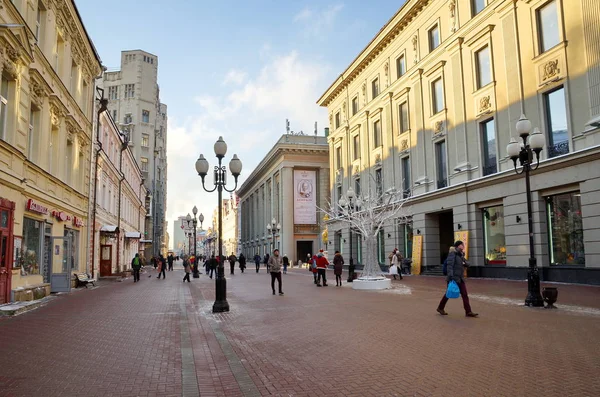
{"x": 558, "y": 149}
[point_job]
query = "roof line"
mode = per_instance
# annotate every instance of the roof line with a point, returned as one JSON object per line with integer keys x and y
{"x": 86, "y": 34}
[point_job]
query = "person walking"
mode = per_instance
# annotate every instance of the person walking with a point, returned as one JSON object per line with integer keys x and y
{"x": 232, "y": 260}
{"x": 338, "y": 266}
{"x": 322, "y": 264}
{"x": 456, "y": 266}
{"x": 162, "y": 264}
{"x": 212, "y": 265}
{"x": 395, "y": 260}
{"x": 313, "y": 267}
{"x": 257, "y": 262}
{"x": 170, "y": 260}
{"x": 286, "y": 263}
{"x": 242, "y": 260}
{"x": 266, "y": 260}
{"x": 136, "y": 265}
{"x": 187, "y": 266}
{"x": 274, "y": 265}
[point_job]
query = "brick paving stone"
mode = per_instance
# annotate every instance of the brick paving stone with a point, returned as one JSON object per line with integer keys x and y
{"x": 126, "y": 339}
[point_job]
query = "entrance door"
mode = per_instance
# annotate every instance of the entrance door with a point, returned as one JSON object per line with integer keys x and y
{"x": 303, "y": 248}
{"x": 446, "y": 228}
{"x": 6, "y": 250}
{"x": 60, "y": 278}
{"x": 105, "y": 260}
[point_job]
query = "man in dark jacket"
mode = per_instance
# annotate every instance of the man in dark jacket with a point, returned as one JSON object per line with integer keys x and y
{"x": 257, "y": 262}
{"x": 286, "y": 263}
{"x": 163, "y": 264}
{"x": 170, "y": 260}
{"x": 266, "y": 260}
{"x": 232, "y": 259}
{"x": 212, "y": 265}
{"x": 456, "y": 268}
{"x": 242, "y": 260}
{"x": 136, "y": 265}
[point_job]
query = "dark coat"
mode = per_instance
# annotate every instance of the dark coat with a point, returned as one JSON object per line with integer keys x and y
{"x": 456, "y": 266}
{"x": 338, "y": 264}
{"x": 257, "y": 259}
{"x": 242, "y": 260}
{"x": 286, "y": 261}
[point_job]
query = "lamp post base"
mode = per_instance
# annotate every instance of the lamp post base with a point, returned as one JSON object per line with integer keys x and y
{"x": 534, "y": 297}
{"x": 221, "y": 305}
{"x": 350, "y": 273}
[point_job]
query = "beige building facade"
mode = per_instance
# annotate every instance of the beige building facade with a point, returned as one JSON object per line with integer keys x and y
{"x": 288, "y": 185}
{"x": 47, "y": 65}
{"x": 429, "y": 107}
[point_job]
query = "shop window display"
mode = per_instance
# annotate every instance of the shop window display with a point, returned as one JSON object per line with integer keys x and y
{"x": 494, "y": 237}
{"x": 31, "y": 247}
{"x": 565, "y": 229}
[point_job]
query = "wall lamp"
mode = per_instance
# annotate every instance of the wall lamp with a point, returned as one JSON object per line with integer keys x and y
{"x": 389, "y": 235}
{"x": 518, "y": 219}
{"x": 418, "y": 231}
{"x": 459, "y": 226}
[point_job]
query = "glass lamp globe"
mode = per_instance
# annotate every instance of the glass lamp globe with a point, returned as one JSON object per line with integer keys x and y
{"x": 342, "y": 201}
{"x": 350, "y": 193}
{"x": 235, "y": 165}
{"x": 188, "y": 217}
{"x": 201, "y": 218}
{"x": 220, "y": 147}
{"x": 537, "y": 140}
{"x": 195, "y": 210}
{"x": 513, "y": 148}
{"x": 202, "y": 165}
{"x": 523, "y": 126}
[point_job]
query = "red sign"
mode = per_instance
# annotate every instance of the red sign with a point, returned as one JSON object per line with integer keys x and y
{"x": 35, "y": 207}
{"x": 61, "y": 216}
{"x": 77, "y": 222}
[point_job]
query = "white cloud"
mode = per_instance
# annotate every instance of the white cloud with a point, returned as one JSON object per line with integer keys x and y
{"x": 235, "y": 77}
{"x": 318, "y": 22}
{"x": 251, "y": 117}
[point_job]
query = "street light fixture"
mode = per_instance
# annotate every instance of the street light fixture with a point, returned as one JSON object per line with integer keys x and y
{"x": 351, "y": 203}
{"x": 523, "y": 152}
{"x": 220, "y": 180}
{"x": 273, "y": 228}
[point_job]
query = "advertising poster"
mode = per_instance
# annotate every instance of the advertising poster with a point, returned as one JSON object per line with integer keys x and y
{"x": 463, "y": 236}
{"x": 305, "y": 200}
{"x": 417, "y": 254}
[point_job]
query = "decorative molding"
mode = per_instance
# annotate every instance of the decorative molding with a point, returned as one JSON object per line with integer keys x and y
{"x": 484, "y": 104}
{"x": 551, "y": 70}
{"x": 378, "y": 159}
{"x": 415, "y": 42}
{"x": 438, "y": 127}
{"x": 386, "y": 73}
{"x": 364, "y": 93}
{"x": 452, "y": 9}
{"x": 356, "y": 170}
{"x": 404, "y": 144}
{"x": 435, "y": 68}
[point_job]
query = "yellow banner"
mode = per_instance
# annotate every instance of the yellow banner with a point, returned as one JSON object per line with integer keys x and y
{"x": 417, "y": 254}
{"x": 463, "y": 235}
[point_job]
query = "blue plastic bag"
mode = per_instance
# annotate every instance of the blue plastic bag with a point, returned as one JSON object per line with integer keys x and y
{"x": 453, "y": 291}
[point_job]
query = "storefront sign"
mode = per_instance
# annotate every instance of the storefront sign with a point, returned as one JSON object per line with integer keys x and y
{"x": 61, "y": 216}
{"x": 35, "y": 207}
{"x": 305, "y": 201}
{"x": 77, "y": 221}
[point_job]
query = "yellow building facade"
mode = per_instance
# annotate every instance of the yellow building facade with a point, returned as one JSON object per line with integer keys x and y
{"x": 48, "y": 66}
{"x": 429, "y": 107}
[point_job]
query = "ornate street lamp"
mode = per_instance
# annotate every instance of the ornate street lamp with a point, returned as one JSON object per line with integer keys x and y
{"x": 273, "y": 228}
{"x": 352, "y": 204}
{"x": 523, "y": 152}
{"x": 220, "y": 176}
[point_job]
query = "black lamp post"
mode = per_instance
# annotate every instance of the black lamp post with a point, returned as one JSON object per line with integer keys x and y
{"x": 523, "y": 152}
{"x": 273, "y": 228}
{"x": 220, "y": 176}
{"x": 193, "y": 222}
{"x": 352, "y": 204}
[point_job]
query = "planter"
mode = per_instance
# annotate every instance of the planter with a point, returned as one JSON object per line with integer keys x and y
{"x": 372, "y": 283}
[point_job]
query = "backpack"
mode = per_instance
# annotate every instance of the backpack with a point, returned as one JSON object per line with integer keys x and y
{"x": 445, "y": 267}
{"x": 136, "y": 261}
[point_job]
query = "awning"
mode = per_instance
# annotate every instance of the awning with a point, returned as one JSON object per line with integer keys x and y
{"x": 109, "y": 229}
{"x": 146, "y": 241}
{"x": 133, "y": 235}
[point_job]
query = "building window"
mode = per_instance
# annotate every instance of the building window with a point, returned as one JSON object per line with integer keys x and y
{"x": 437, "y": 96}
{"x": 3, "y": 106}
{"x": 377, "y": 139}
{"x": 442, "y": 164}
{"x": 127, "y": 119}
{"x": 354, "y": 105}
{"x": 565, "y": 229}
{"x": 338, "y": 157}
{"x": 145, "y": 140}
{"x": 375, "y": 87}
{"x": 379, "y": 183}
{"x": 145, "y": 116}
{"x": 129, "y": 90}
{"x": 34, "y": 133}
{"x": 144, "y": 164}
{"x": 381, "y": 247}
{"x": 494, "y": 240}
{"x": 403, "y": 113}
{"x": 59, "y": 54}
{"x": 357, "y": 186}
{"x": 40, "y": 22}
{"x": 484, "y": 67}
{"x": 488, "y": 138}
{"x": 548, "y": 27}
{"x": 339, "y": 193}
{"x": 477, "y": 6}
{"x": 74, "y": 78}
{"x": 356, "y": 141}
{"x": 113, "y": 92}
{"x": 405, "y": 177}
{"x": 73, "y": 255}
{"x": 69, "y": 163}
{"x": 114, "y": 115}
{"x": 33, "y": 233}
{"x": 556, "y": 119}
{"x": 400, "y": 66}
{"x": 337, "y": 120}
{"x": 408, "y": 240}
{"x": 434, "y": 38}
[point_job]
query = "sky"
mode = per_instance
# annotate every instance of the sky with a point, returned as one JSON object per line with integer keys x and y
{"x": 234, "y": 68}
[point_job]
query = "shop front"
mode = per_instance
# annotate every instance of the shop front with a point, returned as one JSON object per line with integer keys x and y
{"x": 8, "y": 254}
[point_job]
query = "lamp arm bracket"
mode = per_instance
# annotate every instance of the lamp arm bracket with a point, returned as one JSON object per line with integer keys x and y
{"x": 232, "y": 190}
{"x": 207, "y": 190}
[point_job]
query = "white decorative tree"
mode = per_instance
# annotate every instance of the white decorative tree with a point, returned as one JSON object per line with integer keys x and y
{"x": 367, "y": 215}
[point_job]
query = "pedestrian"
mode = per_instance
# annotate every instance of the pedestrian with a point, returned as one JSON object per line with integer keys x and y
{"x": 232, "y": 260}
{"x": 338, "y": 266}
{"x": 395, "y": 259}
{"x": 153, "y": 262}
{"x": 257, "y": 262}
{"x": 322, "y": 264}
{"x": 286, "y": 263}
{"x": 207, "y": 265}
{"x": 456, "y": 266}
{"x": 313, "y": 267}
{"x": 170, "y": 260}
{"x": 212, "y": 265}
{"x": 187, "y": 266}
{"x": 136, "y": 265}
{"x": 274, "y": 266}
{"x": 161, "y": 266}
{"x": 266, "y": 261}
{"x": 242, "y": 260}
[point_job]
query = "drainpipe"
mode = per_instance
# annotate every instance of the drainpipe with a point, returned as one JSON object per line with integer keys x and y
{"x": 103, "y": 108}
{"x": 124, "y": 146}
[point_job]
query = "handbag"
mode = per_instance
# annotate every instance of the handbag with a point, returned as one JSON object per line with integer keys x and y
{"x": 453, "y": 291}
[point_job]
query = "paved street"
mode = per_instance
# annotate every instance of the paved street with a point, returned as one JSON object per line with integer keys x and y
{"x": 159, "y": 338}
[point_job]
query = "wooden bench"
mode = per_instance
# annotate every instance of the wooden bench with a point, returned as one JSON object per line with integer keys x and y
{"x": 84, "y": 279}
